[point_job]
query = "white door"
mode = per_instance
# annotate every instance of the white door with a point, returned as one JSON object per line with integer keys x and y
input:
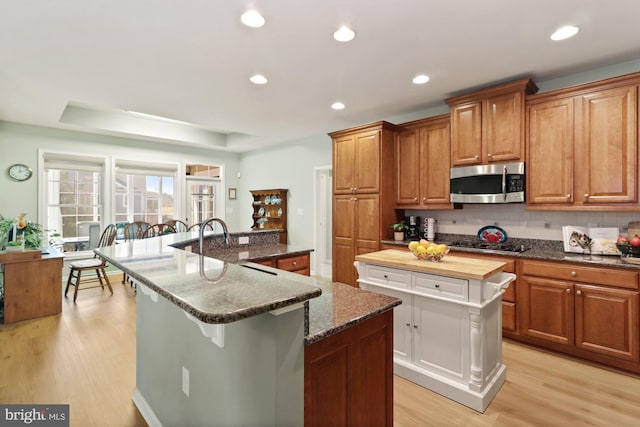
{"x": 323, "y": 216}
{"x": 203, "y": 200}
{"x": 441, "y": 337}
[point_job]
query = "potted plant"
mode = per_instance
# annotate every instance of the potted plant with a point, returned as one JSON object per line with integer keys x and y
{"x": 398, "y": 230}
{"x": 15, "y": 246}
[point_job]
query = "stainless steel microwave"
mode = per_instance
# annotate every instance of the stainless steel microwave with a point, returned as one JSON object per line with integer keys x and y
{"x": 495, "y": 183}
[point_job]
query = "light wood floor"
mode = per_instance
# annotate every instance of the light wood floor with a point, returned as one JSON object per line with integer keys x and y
{"x": 86, "y": 357}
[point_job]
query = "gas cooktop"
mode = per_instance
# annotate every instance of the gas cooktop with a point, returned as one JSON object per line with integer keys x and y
{"x": 498, "y": 247}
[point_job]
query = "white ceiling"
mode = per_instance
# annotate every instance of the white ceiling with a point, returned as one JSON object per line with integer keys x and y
{"x": 191, "y": 59}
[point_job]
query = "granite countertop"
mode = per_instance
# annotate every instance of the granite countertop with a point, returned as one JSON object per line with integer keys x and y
{"x": 243, "y": 292}
{"x": 549, "y": 250}
{"x": 214, "y": 291}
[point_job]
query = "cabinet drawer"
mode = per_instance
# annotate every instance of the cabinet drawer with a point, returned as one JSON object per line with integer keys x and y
{"x": 293, "y": 263}
{"x": 388, "y": 276}
{"x": 581, "y": 274}
{"x": 444, "y": 287}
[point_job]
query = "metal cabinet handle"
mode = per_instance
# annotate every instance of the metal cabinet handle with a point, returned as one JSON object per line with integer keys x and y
{"x": 294, "y": 263}
{"x": 424, "y": 199}
{"x": 574, "y": 274}
{"x": 476, "y": 157}
{"x": 569, "y": 196}
{"x": 437, "y": 286}
{"x": 415, "y": 326}
{"x": 355, "y": 188}
{"x": 568, "y": 290}
{"x": 385, "y": 276}
{"x": 415, "y": 199}
{"x": 587, "y": 195}
{"x": 578, "y": 293}
{"x": 408, "y": 324}
{"x": 488, "y": 154}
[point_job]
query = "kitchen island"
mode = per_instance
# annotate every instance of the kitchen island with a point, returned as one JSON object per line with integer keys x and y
{"x": 221, "y": 343}
{"x": 448, "y": 330}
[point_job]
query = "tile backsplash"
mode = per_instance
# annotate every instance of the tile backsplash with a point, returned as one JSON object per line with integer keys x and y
{"x": 519, "y": 222}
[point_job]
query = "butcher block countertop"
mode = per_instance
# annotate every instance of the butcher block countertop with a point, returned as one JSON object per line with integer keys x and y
{"x": 450, "y": 265}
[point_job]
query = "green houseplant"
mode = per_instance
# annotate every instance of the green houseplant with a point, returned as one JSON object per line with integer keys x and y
{"x": 30, "y": 232}
{"x": 399, "y": 229}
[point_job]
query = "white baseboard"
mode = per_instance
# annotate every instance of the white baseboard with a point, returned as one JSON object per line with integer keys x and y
{"x": 145, "y": 410}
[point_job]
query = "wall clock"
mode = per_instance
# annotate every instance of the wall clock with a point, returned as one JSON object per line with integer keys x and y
{"x": 20, "y": 172}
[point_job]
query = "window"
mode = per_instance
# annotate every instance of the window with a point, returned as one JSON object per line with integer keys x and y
{"x": 74, "y": 200}
{"x": 144, "y": 192}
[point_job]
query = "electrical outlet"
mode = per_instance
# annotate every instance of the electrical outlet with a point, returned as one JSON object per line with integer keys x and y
{"x": 185, "y": 381}
{"x": 243, "y": 240}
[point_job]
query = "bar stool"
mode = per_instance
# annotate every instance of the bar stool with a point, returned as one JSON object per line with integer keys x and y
{"x": 96, "y": 263}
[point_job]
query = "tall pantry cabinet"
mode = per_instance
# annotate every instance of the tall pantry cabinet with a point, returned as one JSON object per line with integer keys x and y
{"x": 363, "y": 197}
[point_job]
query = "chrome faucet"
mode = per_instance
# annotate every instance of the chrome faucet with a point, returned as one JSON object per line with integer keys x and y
{"x": 225, "y": 231}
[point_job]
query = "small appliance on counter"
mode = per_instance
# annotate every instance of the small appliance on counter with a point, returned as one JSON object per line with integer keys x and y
{"x": 429, "y": 229}
{"x": 413, "y": 222}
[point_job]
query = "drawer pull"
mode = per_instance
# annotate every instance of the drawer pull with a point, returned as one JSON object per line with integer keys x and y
{"x": 568, "y": 290}
{"x": 578, "y": 293}
{"x": 385, "y": 276}
{"x": 415, "y": 326}
{"x": 294, "y": 263}
{"x": 437, "y": 286}
{"x": 408, "y": 324}
{"x": 574, "y": 274}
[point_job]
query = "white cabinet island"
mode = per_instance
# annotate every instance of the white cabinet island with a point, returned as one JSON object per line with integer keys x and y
{"x": 448, "y": 330}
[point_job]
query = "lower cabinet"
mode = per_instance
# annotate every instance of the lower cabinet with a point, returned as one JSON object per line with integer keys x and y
{"x": 348, "y": 376}
{"x": 296, "y": 264}
{"x": 567, "y": 308}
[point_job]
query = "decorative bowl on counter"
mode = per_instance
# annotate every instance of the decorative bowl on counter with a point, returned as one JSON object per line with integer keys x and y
{"x": 628, "y": 250}
{"x": 428, "y": 251}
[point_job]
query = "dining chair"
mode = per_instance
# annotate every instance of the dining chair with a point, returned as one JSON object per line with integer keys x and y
{"x": 133, "y": 231}
{"x": 158, "y": 230}
{"x": 96, "y": 264}
{"x": 179, "y": 226}
{"x": 196, "y": 227}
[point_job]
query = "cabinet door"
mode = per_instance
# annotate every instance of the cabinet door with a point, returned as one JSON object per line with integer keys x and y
{"x": 434, "y": 172}
{"x": 441, "y": 337}
{"x": 367, "y": 162}
{"x": 502, "y": 128}
{"x": 546, "y": 309}
{"x": 608, "y": 155}
{"x": 367, "y": 223}
{"x": 466, "y": 134}
{"x": 407, "y": 167}
{"x": 550, "y": 158}
{"x": 607, "y": 321}
{"x": 344, "y": 152}
{"x": 343, "y": 239}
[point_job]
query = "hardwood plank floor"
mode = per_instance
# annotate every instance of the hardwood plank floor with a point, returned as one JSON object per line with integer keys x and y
{"x": 86, "y": 357}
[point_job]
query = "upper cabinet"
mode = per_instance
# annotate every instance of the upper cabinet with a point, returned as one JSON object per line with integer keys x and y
{"x": 357, "y": 159}
{"x": 422, "y": 150}
{"x": 583, "y": 147}
{"x": 489, "y": 125}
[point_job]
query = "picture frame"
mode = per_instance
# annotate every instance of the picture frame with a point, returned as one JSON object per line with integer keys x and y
{"x": 232, "y": 193}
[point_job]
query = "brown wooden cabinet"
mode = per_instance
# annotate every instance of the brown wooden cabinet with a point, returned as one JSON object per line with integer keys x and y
{"x": 363, "y": 205}
{"x": 567, "y": 308}
{"x": 32, "y": 285}
{"x": 348, "y": 376}
{"x": 270, "y": 210}
{"x": 294, "y": 263}
{"x": 489, "y": 125}
{"x": 583, "y": 147}
{"x": 422, "y": 151}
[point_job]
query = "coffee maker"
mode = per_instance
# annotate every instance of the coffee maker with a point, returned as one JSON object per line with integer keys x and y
{"x": 413, "y": 222}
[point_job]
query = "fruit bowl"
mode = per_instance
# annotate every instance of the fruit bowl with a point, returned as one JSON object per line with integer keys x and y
{"x": 426, "y": 251}
{"x": 628, "y": 250}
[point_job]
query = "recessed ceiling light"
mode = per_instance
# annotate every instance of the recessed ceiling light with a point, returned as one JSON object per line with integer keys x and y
{"x": 565, "y": 32}
{"x": 252, "y": 18}
{"x": 420, "y": 79}
{"x": 258, "y": 79}
{"x": 337, "y": 106}
{"x": 344, "y": 34}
